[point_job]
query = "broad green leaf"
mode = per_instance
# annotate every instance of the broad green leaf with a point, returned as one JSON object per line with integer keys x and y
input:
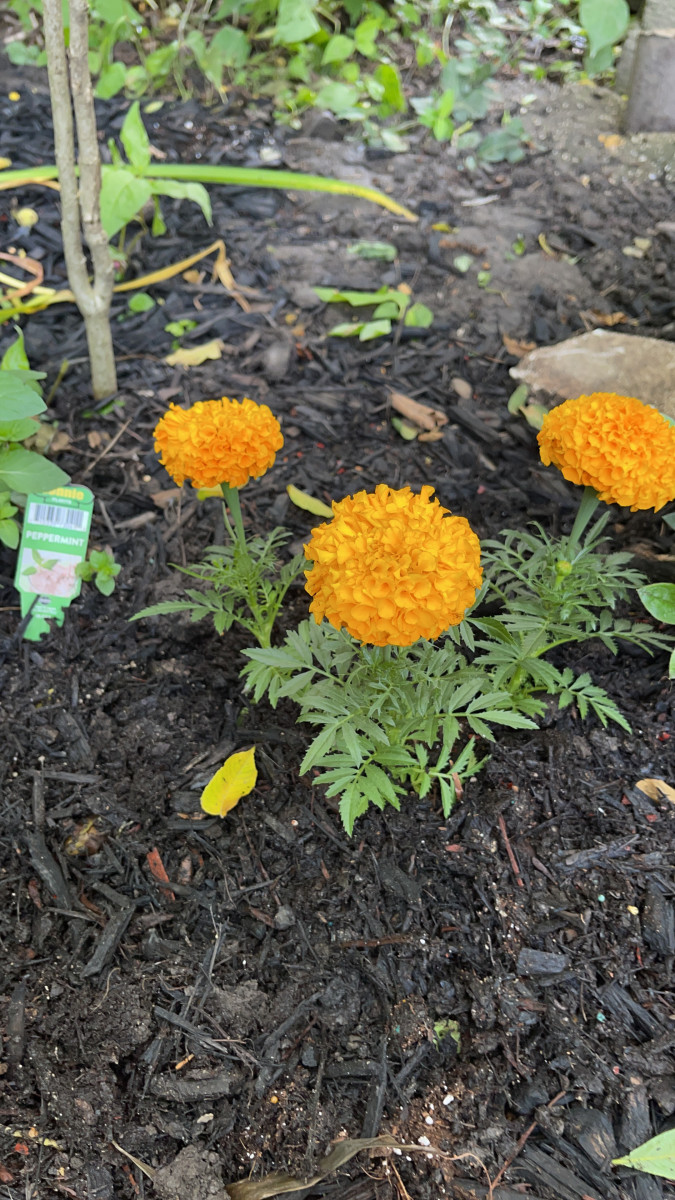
{"x": 308, "y": 503}
{"x": 373, "y": 329}
{"x": 134, "y": 138}
{"x": 9, "y": 533}
{"x": 346, "y": 329}
{"x": 359, "y": 299}
{"x": 24, "y": 471}
{"x": 19, "y": 396}
{"x": 462, "y": 262}
{"x": 383, "y": 250}
{"x": 236, "y": 778}
{"x": 295, "y": 23}
{"x": 656, "y": 1157}
{"x": 659, "y": 600}
{"x": 393, "y": 98}
{"x": 419, "y": 315}
{"x": 18, "y": 431}
{"x": 338, "y": 98}
{"x": 15, "y": 357}
{"x": 230, "y": 47}
{"x": 111, "y": 80}
{"x": 141, "y": 302}
{"x": 518, "y": 398}
{"x": 159, "y": 62}
{"x": 184, "y": 191}
{"x": 111, "y": 11}
{"x": 408, "y": 432}
{"x": 123, "y": 195}
{"x": 388, "y": 309}
{"x": 365, "y": 36}
{"x": 496, "y": 146}
{"x": 337, "y": 49}
{"x": 605, "y": 22}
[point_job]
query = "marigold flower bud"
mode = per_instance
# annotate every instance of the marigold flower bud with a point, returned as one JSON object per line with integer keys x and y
{"x": 218, "y": 441}
{"x": 616, "y": 444}
{"x": 393, "y": 567}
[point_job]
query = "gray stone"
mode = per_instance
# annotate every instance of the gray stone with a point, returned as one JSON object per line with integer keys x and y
{"x": 604, "y": 361}
{"x": 540, "y": 962}
{"x": 284, "y": 918}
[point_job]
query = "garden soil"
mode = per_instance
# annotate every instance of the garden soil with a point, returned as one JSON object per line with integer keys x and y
{"x": 492, "y": 991}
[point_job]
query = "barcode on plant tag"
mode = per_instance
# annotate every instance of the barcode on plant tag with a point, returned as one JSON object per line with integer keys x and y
{"x": 57, "y": 516}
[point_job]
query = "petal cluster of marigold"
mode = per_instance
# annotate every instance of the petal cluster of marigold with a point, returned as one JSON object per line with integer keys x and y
{"x": 218, "y": 441}
{"x": 616, "y": 444}
{"x": 393, "y": 567}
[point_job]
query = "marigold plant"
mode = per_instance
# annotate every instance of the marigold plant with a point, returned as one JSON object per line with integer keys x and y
{"x": 218, "y": 442}
{"x": 393, "y": 567}
{"x": 622, "y": 448}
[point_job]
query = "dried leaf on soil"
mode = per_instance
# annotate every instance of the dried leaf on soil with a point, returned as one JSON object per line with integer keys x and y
{"x": 194, "y": 356}
{"x": 419, "y": 414}
{"x": 236, "y": 778}
{"x": 656, "y": 789}
{"x": 279, "y": 1183}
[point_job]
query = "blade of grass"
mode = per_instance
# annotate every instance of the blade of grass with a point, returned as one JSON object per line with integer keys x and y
{"x": 239, "y": 176}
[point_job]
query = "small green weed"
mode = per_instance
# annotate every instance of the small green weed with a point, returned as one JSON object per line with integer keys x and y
{"x": 390, "y": 305}
{"x": 21, "y": 470}
{"x": 102, "y": 568}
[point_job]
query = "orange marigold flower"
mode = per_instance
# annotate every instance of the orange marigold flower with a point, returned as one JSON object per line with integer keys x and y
{"x": 218, "y": 441}
{"x": 616, "y": 444}
{"x": 393, "y": 567}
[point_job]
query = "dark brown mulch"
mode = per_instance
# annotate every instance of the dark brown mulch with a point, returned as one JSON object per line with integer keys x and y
{"x": 289, "y": 986}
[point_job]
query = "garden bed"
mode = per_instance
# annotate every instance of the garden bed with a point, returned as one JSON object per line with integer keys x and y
{"x": 450, "y": 982}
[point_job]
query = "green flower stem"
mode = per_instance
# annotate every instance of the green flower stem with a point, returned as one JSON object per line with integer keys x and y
{"x": 231, "y": 498}
{"x": 589, "y": 503}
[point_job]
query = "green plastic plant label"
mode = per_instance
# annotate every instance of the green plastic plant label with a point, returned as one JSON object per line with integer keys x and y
{"x": 53, "y": 542}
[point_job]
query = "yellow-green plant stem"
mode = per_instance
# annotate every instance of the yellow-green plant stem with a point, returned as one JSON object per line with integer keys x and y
{"x": 231, "y": 498}
{"x": 292, "y": 181}
{"x": 588, "y": 505}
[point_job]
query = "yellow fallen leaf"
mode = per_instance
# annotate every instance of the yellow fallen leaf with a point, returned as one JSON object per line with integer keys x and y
{"x": 236, "y": 778}
{"x": 193, "y": 356}
{"x": 656, "y": 789}
{"x": 611, "y": 141}
{"x": 26, "y": 217}
{"x": 4, "y": 163}
{"x": 545, "y": 246}
{"x": 309, "y": 503}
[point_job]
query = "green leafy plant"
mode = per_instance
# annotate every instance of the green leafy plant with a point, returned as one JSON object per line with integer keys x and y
{"x": 390, "y": 305}
{"x": 659, "y": 600}
{"x": 240, "y": 583}
{"x": 553, "y": 592}
{"x": 102, "y": 569}
{"x": 389, "y": 719}
{"x": 21, "y": 470}
{"x": 605, "y": 23}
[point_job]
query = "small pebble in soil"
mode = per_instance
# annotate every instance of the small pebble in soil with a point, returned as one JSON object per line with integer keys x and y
{"x": 284, "y": 918}
{"x": 448, "y": 1099}
{"x": 424, "y": 1141}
